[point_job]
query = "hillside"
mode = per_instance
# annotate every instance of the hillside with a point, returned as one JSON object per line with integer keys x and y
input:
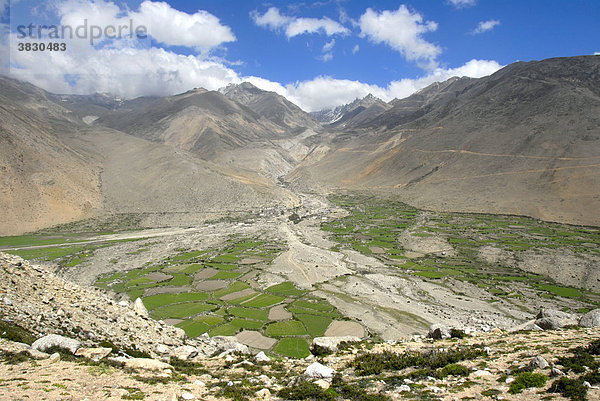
{"x": 57, "y": 169}
{"x": 270, "y": 105}
{"x": 524, "y": 140}
{"x": 87, "y": 345}
{"x": 44, "y": 180}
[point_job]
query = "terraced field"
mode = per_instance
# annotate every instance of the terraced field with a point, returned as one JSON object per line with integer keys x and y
{"x": 214, "y": 291}
{"x": 490, "y": 251}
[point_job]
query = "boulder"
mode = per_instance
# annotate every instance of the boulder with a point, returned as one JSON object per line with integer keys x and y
{"x": 184, "y": 353}
{"x": 530, "y": 325}
{"x": 548, "y": 323}
{"x": 317, "y": 371}
{"x": 539, "y": 362}
{"x": 95, "y": 354}
{"x": 140, "y": 308}
{"x": 229, "y": 344}
{"x": 263, "y": 394}
{"x": 590, "y": 319}
{"x": 142, "y": 363}
{"x": 54, "y": 340}
{"x": 439, "y": 331}
{"x": 261, "y": 357}
{"x": 552, "y": 319}
{"x": 331, "y": 344}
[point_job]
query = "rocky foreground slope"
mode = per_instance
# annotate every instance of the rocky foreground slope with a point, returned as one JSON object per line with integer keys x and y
{"x": 69, "y": 342}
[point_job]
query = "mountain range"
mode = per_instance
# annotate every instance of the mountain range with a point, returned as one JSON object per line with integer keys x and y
{"x": 525, "y": 140}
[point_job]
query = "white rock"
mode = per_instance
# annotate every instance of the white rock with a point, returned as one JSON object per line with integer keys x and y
{"x": 162, "y": 349}
{"x": 140, "y": 308}
{"x": 200, "y": 383}
{"x": 261, "y": 357}
{"x": 481, "y": 373}
{"x": 123, "y": 303}
{"x": 54, "y": 340}
{"x": 188, "y": 396}
{"x": 54, "y": 357}
{"x": 316, "y": 370}
{"x": 263, "y": 394}
{"x": 95, "y": 354}
{"x": 184, "y": 353}
{"x": 143, "y": 363}
{"x": 324, "y": 384}
{"x": 404, "y": 388}
{"x": 331, "y": 343}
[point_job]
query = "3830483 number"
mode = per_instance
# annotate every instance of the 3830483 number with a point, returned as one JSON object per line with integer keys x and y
{"x": 41, "y": 47}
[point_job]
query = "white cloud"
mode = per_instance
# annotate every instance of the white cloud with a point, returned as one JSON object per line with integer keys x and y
{"x": 328, "y": 92}
{"x": 355, "y": 49}
{"x": 597, "y": 54}
{"x": 485, "y": 26}
{"x": 402, "y": 30}
{"x": 167, "y": 25}
{"x": 294, "y": 26}
{"x": 271, "y": 19}
{"x": 327, "y": 57}
{"x": 328, "y": 46}
{"x": 462, "y": 3}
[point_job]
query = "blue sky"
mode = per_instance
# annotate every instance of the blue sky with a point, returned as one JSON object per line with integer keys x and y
{"x": 317, "y": 53}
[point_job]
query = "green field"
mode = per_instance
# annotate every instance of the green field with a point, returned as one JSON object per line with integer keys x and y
{"x": 205, "y": 311}
{"x": 287, "y": 328}
{"x": 293, "y": 347}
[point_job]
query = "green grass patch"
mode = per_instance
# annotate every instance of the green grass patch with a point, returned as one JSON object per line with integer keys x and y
{"x": 246, "y": 324}
{"x": 287, "y": 328}
{"x": 315, "y": 325}
{"x": 256, "y": 314}
{"x": 263, "y": 300}
{"x": 155, "y": 301}
{"x": 234, "y": 287}
{"x": 225, "y": 275}
{"x": 292, "y": 347}
{"x": 226, "y": 329}
{"x": 566, "y": 292}
{"x": 286, "y": 289}
{"x": 180, "y": 311}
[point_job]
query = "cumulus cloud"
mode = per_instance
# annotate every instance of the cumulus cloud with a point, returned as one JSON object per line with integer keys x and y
{"x": 462, "y": 3}
{"x": 402, "y": 30}
{"x": 293, "y": 26}
{"x": 355, "y": 49}
{"x": 485, "y": 26}
{"x": 165, "y": 24}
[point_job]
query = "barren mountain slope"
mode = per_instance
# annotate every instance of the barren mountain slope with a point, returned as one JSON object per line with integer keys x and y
{"x": 43, "y": 181}
{"x": 525, "y": 140}
{"x": 206, "y": 123}
{"x": 270, "y": 105}
{"x": 172, "y": 185}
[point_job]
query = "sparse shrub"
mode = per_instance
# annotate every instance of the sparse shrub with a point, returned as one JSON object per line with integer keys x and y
{"x": 294, "y": 218}
{"x": 457, "y": 333}
{"x": 454, "y": 369}
{"x": 187, "y": 367}
{"x": 305, "y": 391}
{"x": 352, "y": 392}
{"x": 236, "y": 392}
{"x": 372, "y": 364}
{"x": 14, "y": 332}
{"x": 570, "y": 388}
{"x": 579, "y": 362}
{"x": 14, "y": 358}
{"x": 527, "y": 380}
{"x": 318, "y": 350}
